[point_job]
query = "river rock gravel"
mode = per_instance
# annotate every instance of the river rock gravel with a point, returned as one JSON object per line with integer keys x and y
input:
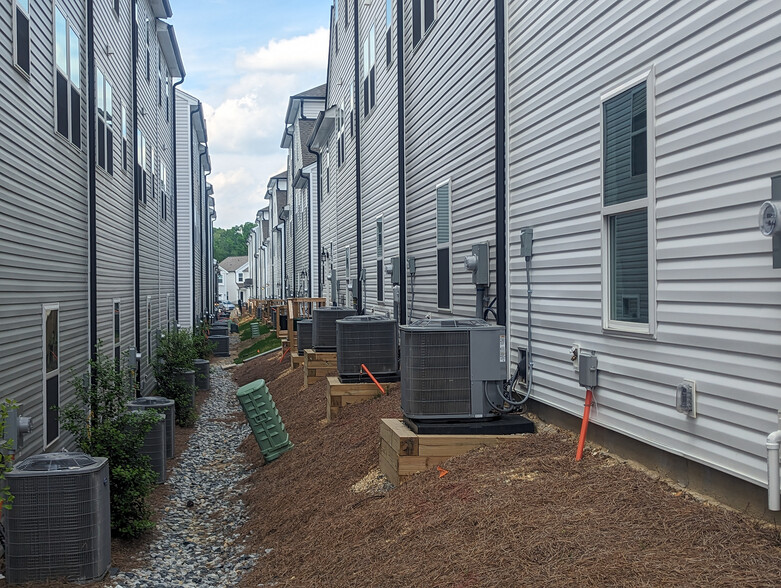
{"x": 199, "y": 543}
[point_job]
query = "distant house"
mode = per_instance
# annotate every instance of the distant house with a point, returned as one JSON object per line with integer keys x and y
{"x": 279, "y": 212}
{"x": 234, "y": 271}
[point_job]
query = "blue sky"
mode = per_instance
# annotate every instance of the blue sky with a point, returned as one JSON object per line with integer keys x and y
{"x": 244, "y": 59}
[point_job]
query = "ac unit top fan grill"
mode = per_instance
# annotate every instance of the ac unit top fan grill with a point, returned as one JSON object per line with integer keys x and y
{"x": 324, "y": 326}
{"x": 60, "y": 524}
{"x": 369, "y": 340}
{"x": 449, "y": 366}
{"x": 304, "y": 335}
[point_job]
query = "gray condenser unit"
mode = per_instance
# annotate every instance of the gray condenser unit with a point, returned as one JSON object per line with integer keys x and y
{"x": 324, "y": 326}
{"x": 369, "y": 340}
{"x": 60, "y": 523}
{"x": 155, "y": 445}
{"x": 165, "y": 406}
{"x": 304, "y": 335}
{"x": 452, "y": 369}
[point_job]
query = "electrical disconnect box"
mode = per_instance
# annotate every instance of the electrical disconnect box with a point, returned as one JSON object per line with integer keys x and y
{"x": 587, "y": 369}
{"x": 395, "y": 272}
{"x": 478, "y": 264}
{"x": 686, "y": 398}
{"x": 527, "y": 238}
{"x": 411, "y": 265}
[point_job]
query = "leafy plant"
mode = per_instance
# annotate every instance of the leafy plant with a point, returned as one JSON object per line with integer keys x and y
{"x": 175, "y": 356}
{"x": 102, "y": 425}
{"x": 201, "y": 344}
{"x": 6, "y": 459}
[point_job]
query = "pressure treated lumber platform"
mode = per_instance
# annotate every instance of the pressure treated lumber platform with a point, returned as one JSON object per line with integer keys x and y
{"x": 404, "y": 453}
{"x": 318, "y": 365}
{"x": 340, "y": 394}
{"x": 296, "y": 359}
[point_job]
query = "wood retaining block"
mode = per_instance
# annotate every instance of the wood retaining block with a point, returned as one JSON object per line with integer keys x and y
{"x": 296, "y": 359}
{"x": 341, "y": 394}
{"x": 404, "y": 453}
{"x": 318, "y": 365}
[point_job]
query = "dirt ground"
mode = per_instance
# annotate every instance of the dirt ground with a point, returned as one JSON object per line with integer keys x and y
{"x": 520, "y": 514}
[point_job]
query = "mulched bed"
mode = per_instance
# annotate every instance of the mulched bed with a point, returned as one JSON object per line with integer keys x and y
{"x": 523, "y": 513}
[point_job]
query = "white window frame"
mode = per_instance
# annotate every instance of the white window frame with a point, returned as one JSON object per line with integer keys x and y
{"x": 44, "y": 309}
{"x": 15, "y": 57}
{"x": 105, "y": 113}
{"x": 449, "y": 244}
{"x": 423, "y": 29}
{"x": 648, "y": 203}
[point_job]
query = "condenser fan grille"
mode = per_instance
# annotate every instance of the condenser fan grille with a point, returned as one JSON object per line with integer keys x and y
{"x": 304, "y": 335}
{"x": 435, "y": 376}
{"x": 324, "y": 326}
{"x": 366, "y": 340}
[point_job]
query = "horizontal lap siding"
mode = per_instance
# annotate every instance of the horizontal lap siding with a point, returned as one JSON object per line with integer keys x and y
{"x": 379, "y": 160}
{"x": 716, "y": 129}
{"x": 43, "y": 220}
{"x": 185, "y": 143}
{"x": 450, "y": 134}
{"x": 115, "y": 197}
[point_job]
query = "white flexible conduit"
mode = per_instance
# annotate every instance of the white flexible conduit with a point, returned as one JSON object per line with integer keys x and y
{"x": 773, "y": 470}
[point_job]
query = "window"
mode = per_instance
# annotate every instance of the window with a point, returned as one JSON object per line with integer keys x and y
{"x": 124, "y": 137}
{"x": 68, "y": 79}
{"x": 336, "y": 26}
{"x": 626, "y": 207}
{"x": 380, "y": 265}
{"x": 340, "y": 135}
{"x": 368, "y": 73}
{"x": 352, "y": 109}
{"x": 167, "y": 97}
{"x": 444, "y": 273}
{"x": 219, "y": 279}
{"x": 141, "y": 166}
{"x": 240, "y": 277}
{"x": 153, "y": 167}
{"x": 149, "y": 328}
{"x": 163, "y": 190}
{"x": 388, "y": 19}
{"x": 423, "y": 14}
{"x": 346, "y": 14}
{"x": 105, "y": 125}
{"x": 159, "y": 79}
{"x": 22, "y": 35}
{"x": 51, "y": 372}
{"x": 117, "y": 334}
{"x": 116, "y": 7}
{"x": 347, "y": 263}
{"x": 327, "y": 170}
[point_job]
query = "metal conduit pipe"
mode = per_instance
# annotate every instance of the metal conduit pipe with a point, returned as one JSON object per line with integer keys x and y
{"x": 773, "y": 445}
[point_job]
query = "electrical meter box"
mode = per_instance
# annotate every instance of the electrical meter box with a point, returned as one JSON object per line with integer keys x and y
{"x": 587, "y": 369}
{"x": 480, "y": 273}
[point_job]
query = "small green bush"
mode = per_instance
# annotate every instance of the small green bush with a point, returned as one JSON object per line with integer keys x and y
{"x": 201, "y": 344}
{"x": 102, "y": 426}
{"x": 6, "y": 459}
{"x": 175, "y": 355}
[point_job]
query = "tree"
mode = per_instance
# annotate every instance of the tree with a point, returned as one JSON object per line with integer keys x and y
{"x": 231, "y": 242}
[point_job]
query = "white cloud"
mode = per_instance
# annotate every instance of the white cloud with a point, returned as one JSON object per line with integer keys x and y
{"x": 247, "y": 119}
{"x": 299, "y": 54}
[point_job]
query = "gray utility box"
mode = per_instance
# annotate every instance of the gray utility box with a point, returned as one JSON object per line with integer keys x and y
{"x": 449, "y": 367}
{"x": 587, "y": 369}
{"x": 60, "y": 523}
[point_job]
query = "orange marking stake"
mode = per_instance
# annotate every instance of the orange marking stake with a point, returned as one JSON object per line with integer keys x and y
{"x": 584, "y": 425}
{"x": 284, "y": 354}
{"x": 442, "y": 471}
{"x": 365, "y": 369}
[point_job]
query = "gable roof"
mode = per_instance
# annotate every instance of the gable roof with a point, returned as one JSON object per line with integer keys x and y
{"x": 316, "y": 92}
{"x": 231, "y": 264}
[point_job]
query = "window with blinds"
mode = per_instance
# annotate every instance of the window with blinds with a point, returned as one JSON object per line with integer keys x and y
{"x": 380, "y": 273}
{"x": 625, "y": 209}
{"x": 444, "y": 273}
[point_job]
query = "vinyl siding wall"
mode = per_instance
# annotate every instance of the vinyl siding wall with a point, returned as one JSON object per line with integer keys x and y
{"x": 715, "y": 86}
{"x": 380, "y": 158}
{"x": 450, "y": 135}
{"x": 43, "y": 220}
{"x": 185, "y": 142}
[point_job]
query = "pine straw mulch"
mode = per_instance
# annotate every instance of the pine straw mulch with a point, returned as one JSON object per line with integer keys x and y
{"x": 520, "y": 514}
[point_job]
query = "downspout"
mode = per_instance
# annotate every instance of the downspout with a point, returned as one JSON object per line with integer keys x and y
{"x": 320, "y": 265}
{"x": 501, "y": 179}
{"x": 773, "y": 444}
{"x": 175, "y": 204}
{"x": 359, "y": 237}
{"x": 204, "y": 248}
{"x": 137, "y": 212}
{"x": 402, "y": 167}
{"x": 93, "y": 195}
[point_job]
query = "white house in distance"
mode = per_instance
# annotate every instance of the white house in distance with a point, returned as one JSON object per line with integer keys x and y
{"x": 233, "y": 271}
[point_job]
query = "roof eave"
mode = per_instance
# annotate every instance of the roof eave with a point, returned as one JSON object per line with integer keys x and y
{"x": 324, "y": 127}
{"x": 161, "y": 8}
{"x": 170, "y": 48}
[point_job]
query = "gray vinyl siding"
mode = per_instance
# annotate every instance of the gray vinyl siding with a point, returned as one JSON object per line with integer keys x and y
{"x": 185, "y": 142}
{"x": 115, "y": 196}
{"x": 380, "y": 159}
{"x": 339, "y": 225}
{"x": 716, "y": 129}
{"x": 43, "y": 221}
{"x": 313, "y": 253}
{"x": 450, "y": 135}
{"x": 311, "y": 108}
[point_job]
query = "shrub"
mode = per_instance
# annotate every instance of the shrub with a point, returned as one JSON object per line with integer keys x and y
{"x": 203, "y": 347}
{"x": 102, "y": 426}
{"x": 175, "y": 355}
{"x": 6, "y": 458}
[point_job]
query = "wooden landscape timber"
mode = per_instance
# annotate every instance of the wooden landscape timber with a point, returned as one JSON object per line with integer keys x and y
{"x": 296, "y": 359}
{"x": 341, "y": 394}
{"x": 318, "y": 365}
{"x": 404, "y": 453}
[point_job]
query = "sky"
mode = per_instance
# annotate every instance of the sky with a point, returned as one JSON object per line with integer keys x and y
{"x": 244, "y": 59}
